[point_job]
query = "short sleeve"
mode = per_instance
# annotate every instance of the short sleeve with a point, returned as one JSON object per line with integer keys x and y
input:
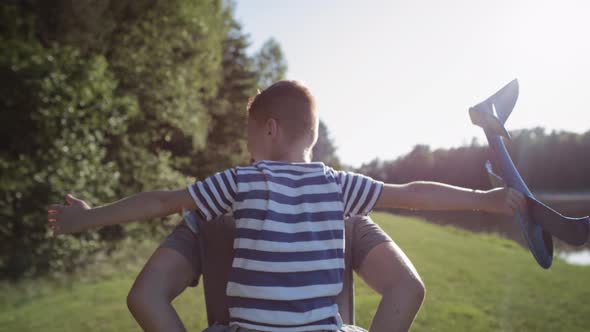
{"x": 366, "y": 235}
{"x": 359, "y": 192}
{"x": 215, "y": 196}
{"x": 186, "y": 243}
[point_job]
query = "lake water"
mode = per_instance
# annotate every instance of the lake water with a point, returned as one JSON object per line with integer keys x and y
{"x": 579, "y": 257}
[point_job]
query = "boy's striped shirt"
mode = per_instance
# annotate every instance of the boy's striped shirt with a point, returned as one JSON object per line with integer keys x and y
{"x": 289, "y": 247}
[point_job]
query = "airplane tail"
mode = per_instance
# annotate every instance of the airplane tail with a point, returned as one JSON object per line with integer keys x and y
{"x": 492, "y": 113}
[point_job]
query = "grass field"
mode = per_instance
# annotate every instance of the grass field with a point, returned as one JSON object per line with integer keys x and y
{"x": 474, "y": 282}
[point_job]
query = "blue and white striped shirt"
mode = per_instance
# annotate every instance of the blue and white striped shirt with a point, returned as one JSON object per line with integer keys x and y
{"x": 289, "y": 247}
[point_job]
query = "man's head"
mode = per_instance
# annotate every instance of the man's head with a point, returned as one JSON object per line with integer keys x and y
{"x": 282, "y": 122}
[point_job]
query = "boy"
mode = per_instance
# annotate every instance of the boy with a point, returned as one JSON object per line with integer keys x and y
{"x": 288, "y": 252}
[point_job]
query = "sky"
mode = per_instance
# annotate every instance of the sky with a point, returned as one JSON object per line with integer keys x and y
{"x": 388, "y": 75}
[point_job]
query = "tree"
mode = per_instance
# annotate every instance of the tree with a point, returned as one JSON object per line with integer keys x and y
{"x": 270, "y": 63}
{"x": 226, "y": 140}
{"x": 54, "y": 107}
{"x": 170, "y": 60}
{"x": 325, "y": 149}
{"x": 165, "y": 54}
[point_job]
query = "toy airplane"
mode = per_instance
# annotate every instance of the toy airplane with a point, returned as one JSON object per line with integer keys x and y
{"x": 539, "y": 223}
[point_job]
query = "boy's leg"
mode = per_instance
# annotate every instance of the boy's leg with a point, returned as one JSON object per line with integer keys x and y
{"x": 171, "y": 269}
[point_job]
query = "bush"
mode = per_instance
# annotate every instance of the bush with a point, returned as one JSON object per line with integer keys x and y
{"x": 59, "y": 112}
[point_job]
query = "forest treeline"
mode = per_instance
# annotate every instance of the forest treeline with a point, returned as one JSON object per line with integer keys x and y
{"x": 556, "y": 161}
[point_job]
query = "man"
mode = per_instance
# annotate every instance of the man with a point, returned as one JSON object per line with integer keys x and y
{"x": 183, "y": 257}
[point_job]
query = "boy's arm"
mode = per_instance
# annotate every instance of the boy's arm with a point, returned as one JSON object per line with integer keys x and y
{"x": 77, "y": 215}
{"x": 422, "y": 195}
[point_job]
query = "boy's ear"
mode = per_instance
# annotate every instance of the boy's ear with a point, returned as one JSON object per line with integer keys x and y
{"x": 272, "y": 127}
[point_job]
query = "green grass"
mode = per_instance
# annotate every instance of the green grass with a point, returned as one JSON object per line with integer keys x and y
{"x": 474, "y": 282}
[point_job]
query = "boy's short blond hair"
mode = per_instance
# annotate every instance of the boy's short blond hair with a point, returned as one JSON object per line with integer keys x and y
{"x": 292, "y": 105}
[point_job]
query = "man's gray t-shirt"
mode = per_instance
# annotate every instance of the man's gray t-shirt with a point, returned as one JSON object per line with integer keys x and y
{"x": 211, "y": 256}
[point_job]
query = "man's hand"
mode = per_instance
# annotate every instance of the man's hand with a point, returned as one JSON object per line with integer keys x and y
{"x": 66, "y": 219}
{"x": 505, "y": 201}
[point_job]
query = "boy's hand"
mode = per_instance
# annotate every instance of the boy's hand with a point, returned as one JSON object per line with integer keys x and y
{"x": 505, "y": 201}
{"x": 66, "y": 219}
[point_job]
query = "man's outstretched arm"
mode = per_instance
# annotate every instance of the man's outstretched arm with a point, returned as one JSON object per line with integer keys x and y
{"x": 166, "y": 274}
{"x": 389, "y": 272}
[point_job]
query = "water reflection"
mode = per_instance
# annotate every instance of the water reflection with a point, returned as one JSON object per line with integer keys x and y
{"x": 579, "y": 257}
